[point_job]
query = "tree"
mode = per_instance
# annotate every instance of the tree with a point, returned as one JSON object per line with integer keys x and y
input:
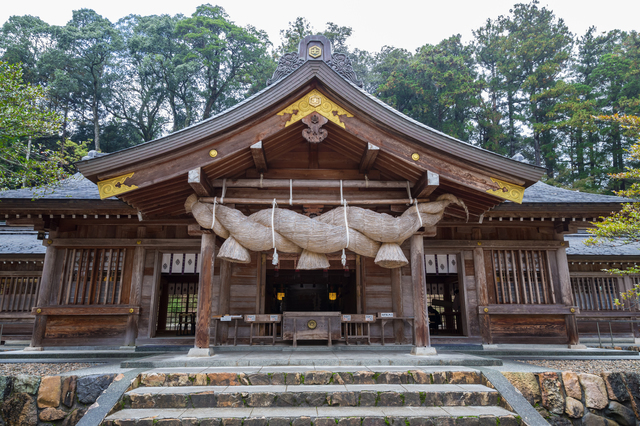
{"x": 228, "y": 56}
{"x": 24, "y": 117}
{"x": 88, "y": 44}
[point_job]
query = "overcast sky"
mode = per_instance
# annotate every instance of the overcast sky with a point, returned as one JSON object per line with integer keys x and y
{"x": 400, "y": 23}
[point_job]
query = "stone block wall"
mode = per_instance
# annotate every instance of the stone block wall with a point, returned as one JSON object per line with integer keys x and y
{"x": 50, "y": 400}
{"x": 572, "y": 399}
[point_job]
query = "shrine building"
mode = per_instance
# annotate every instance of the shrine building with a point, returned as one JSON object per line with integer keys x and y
{"x": 309, "y": 213}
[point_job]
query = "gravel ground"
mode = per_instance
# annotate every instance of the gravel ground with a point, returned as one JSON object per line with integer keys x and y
{"x": 42, "y": 369}
{"x": 595, "y": 366}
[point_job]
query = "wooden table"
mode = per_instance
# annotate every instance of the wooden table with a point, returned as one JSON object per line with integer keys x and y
{"x": 354, "y": 325}
{"x": 270, "y": 320}
{"x": 311, "y": 326}
{"x": 385, "y": 320}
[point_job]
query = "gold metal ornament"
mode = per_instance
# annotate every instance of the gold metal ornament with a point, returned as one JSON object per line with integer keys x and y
{"x": 139, "y": 242}
{"x": 312, "y": 324}
{"x": 130, "y": 310}
{"x": 415, "y": 156}
{"x": 573, "y": 310}
{"x": 315, "y": 101}
{"x": 508, "y": 191}
{"x": 115, "y": 186}
{"x": 49, "y": 242}
{"x": 315, "y": 51}
{"x": 213, "y": 153}
{"x": 486, "y": 310}
{"x": 38, "y": 310}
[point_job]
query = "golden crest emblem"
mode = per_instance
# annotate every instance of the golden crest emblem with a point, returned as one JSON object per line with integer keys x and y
{"x": 315, "y": 51}
{"x": 315, "y": 100}
{"x": 312, "y": 324}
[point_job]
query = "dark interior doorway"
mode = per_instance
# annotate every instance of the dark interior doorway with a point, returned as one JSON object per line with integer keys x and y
{"x": 445, "y": 314}
{"x": 310, "y": 291}
{"x": 178, "y": 305}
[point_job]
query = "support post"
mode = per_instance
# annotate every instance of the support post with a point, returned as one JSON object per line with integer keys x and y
{"x": 135, "y": 292}
{"x": 396, "y": 304}
{"x": 483, "y": 294}
{"x": 571, "y": 323}
{"x": 224, "y": 299}
{"x": 420, "y": 311}
{"x": 205, "y": 288}
{"x": 44, "y": 298}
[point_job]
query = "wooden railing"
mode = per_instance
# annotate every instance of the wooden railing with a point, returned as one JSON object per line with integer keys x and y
{"x": 522, "y": 277}
{"x": 19, "y": 291}
{"x": 95, "y": 276}
{"x": 597, "y": 293}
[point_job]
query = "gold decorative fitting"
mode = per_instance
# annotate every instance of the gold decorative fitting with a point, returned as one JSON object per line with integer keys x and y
{"x": 486, "y": 310}
{"x": 130, "y": 310}
{"x": 114, "y": 186}
{"x": 139, "y": 242}
{"x": 315, "y": 51}
{"x": 312, "y": 324}
{"x": 38, "y": 310}
{"x": 573, "y": 310}
{"x": 49, "y": 242}
{"x": 315, "y": 101}
{"x": 479, "y": 243}
{"x": 213, "y": 153}
{"x": 508, "y": 191}
{"x": 415, "y": 156}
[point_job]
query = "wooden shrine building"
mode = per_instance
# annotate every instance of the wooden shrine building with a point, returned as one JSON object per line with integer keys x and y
{"x": 309, "y": 211}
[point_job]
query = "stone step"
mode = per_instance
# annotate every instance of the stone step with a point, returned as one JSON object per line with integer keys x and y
{"x": 308, "y": 377}
{"x": 316, "y": 416}
{"x": 408, "y": 395}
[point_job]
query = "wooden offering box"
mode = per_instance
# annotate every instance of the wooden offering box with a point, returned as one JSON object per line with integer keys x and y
{"x": 311, "y": 326}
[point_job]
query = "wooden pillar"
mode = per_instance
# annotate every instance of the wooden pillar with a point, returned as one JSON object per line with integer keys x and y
{"x": 205, "y": 289}
{"x": 420, "y": 312}
{"x": 224, "y": 299}
{"x": 135, "y": 292}
{"x": 44, "y": 297}
{"x": 483, "y": 294}
{"x": 261, "y": 282}
{"x": 358, "y": 285}
{"x": 573, "y": 336}
{"x": 396, "y": 304}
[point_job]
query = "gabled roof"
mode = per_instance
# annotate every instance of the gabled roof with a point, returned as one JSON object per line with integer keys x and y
{"x": 541, "y": 192}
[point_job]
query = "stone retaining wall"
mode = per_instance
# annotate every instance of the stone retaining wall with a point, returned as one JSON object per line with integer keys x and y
{"x": 570, "y": 398}
{"x": 50, "y": 400}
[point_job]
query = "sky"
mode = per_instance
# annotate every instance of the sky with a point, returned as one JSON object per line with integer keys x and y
{"x": 406, "y": 24}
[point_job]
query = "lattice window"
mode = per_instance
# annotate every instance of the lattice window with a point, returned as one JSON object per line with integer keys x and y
{"x": 522, "y": 277}
{"x": 596, "y": 293}
{"x": 95, "y": 276}
{"x": 19, "y": 293}
{"x": 182, "y": 305}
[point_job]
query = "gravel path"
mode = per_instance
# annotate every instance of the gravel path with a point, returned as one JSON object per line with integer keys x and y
{"x": 42, "y": 369}
{"x": 595, "y": 366}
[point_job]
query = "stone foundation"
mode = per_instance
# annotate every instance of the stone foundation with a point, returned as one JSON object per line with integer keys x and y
{"x": 569, "y": 398}
{"x": 51, "y": 400}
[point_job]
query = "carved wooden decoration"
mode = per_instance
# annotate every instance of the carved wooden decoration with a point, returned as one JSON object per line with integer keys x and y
{"x": 508, "y": 191}
{"x": 315, "y": 101}
{"x": 315, "y": 133}
{"x": 114, "y": 186}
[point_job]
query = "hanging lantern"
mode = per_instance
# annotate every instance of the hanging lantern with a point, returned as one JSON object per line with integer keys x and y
{"x": 333, "y": 296}
{"x": 280, "y": 296}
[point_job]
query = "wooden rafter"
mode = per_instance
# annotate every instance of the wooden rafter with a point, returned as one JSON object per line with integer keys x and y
{"x": 259, "y": 157}
{"x": 368, "y": 158}
{"x": 199, "y": 182}
{"x": 426, "y": 185}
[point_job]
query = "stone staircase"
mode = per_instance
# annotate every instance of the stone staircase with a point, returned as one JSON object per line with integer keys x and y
{"x": 281, "y": 396}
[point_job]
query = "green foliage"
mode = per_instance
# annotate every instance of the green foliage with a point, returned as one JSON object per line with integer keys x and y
{"x": 24, "y": 117}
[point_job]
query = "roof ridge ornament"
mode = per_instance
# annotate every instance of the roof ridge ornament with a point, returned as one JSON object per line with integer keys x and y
{"x": 315, "y": 101}
{"x": 315, "y": 48}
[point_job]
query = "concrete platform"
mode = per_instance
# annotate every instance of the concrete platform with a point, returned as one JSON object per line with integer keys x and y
{"x": 257, "y": 357}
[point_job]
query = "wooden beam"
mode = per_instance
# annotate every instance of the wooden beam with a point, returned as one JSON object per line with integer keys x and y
{"x": 205, "y": 290}
{"x": 198, "y": 181}
{"x": 259, "y": 158}
{"x": 44, "y": 296}
{"x": 426, "y": 185}
{"x": 368, "y": 158}
{"x": 420, "y": 312}
{"x": 396, "y": 304}
{"x": 483, "y": 294}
